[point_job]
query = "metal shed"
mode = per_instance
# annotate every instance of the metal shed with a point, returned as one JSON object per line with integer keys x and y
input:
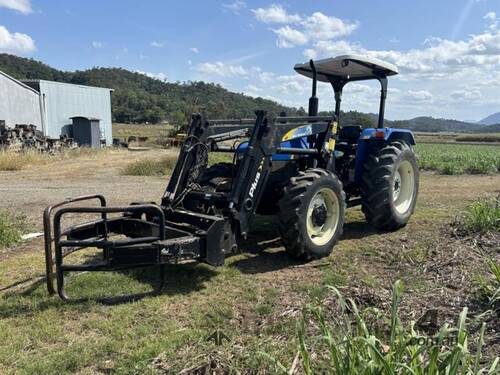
{"x": 63, "y": 101}
{"x": 19, "y": 103}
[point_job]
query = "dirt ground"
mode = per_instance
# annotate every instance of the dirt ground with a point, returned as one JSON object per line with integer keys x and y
{"x": 29, "y": 191}
{"x": 438, "y": 269}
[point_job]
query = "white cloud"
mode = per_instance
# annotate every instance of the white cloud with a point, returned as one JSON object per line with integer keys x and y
{"x": 322, "y": 27}
{"x": 221, "y": 69}
{"x": 159, "y": 76}
{"x": 253, "y": 88}
{"x": 290, "y": 87}
{"x": 157, "y": 44}
{"x": 275, "y": 14}
{"x": 467, "y": 95}
{"x": 316, "y": 27}
{"x": 22, "y": 6}
{"x": 289, "y": 38}
{"x": 236, "y": 7}
{"x": 440, "y": 77}
{"x": 194, "y": 50}
{"x": 97, "y": 44}
{"x": 15, "y": 42}
{"x": 438, "y": 58}
{"x": 419, "y": 96}
{"x": 490, "y": 16}
{"x": 493, "y": 20}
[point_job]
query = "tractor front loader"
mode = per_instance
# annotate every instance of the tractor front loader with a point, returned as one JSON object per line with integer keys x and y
{"x": 306, "y": 170}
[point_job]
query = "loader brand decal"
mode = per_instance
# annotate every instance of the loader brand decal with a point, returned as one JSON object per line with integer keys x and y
{"x": 301, "y": 131}
{"x": 255, "y": 182}
{"x": 331, "y": 142}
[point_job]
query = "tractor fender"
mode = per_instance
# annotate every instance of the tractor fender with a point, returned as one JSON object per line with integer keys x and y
{"x": 371, "y": 137}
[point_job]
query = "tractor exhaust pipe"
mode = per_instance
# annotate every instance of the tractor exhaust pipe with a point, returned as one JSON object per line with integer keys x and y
{"x": 313, "y": 100}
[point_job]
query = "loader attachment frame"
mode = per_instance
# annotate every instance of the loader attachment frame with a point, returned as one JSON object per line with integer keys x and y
{"x": 152, "y": 235}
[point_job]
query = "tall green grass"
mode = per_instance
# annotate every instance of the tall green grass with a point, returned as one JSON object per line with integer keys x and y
{"x": 481, "y": 137}
{"x": 351, "y": 341}
{"x": 151, "y": 167}
{"x": 12, "y": 227}
{"x": 489, "y": 286}
{"x": 459, "y": 159}
{"x": 480, "y": 216}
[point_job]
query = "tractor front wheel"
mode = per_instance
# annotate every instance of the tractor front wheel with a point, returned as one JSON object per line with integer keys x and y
{"x": 311, "y": 214}
{"x": 390, "y": 186}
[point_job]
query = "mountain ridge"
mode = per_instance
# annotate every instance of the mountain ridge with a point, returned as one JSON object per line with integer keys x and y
{"x": 139, "y": 98}
{"x": 491, "y": 119}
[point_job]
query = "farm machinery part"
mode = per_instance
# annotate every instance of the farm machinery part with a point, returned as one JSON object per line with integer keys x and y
{"x": 305, "y": 169}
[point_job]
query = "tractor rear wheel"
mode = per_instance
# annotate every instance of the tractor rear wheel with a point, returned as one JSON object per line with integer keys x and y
{"x": 311, "y": 214}
{"x": 390, "y": 186}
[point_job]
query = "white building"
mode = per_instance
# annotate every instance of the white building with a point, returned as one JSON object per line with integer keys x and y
{"x": 19, "y": 103}
{"x": 52, "y": 105}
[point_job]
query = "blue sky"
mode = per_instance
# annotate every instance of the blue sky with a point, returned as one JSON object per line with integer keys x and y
{"x": 448, "y": 51}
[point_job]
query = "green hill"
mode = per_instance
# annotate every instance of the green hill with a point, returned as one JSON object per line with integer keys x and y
{"x": 138, "y": 98}
{"x": 430, "y": 124}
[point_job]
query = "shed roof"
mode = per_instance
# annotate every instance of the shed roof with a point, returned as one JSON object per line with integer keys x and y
{"x": 64, "y": 83}
{"x": 20, "y": 83}
{"x": 85, "y": 117}
{"x": 348, "y": 66}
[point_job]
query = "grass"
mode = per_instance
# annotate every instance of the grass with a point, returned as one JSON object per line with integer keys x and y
{"x": 349, "y": 341}
{"x": 165, "y": 165}
{"x": 489, "y": 285}
{"x": 481, "y": 216}
{"x": 12, "y": 227}
{"x": 450, "y": 137}
{"x": 156, "y": 134}
{"x": 151, "y": 167}
{"x": 452, "y": 159}
{"x": 16, "y": 161}
{"x": 482, "y": 137}
{"x": 42, "y": 335}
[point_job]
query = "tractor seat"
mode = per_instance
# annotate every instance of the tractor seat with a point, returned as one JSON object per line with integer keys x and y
{"x": 347, "y": 139}
{"x": 349, "y": 134}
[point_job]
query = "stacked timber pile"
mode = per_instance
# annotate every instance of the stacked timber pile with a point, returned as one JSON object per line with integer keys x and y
{"x": 26, "y": 137}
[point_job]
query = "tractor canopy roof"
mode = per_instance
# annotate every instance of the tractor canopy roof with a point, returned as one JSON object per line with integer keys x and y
{"x": 348, "y": 68}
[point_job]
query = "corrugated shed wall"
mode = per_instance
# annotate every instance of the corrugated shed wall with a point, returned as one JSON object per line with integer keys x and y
{"x": 18, "y": 103}
{"x": 62, "y": 101}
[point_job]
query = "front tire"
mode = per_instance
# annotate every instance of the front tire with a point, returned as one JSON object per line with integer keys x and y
{"x": 311, "y": 214}
{"x": 390, "y": 186}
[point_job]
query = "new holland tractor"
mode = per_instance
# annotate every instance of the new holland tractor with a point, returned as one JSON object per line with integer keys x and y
{"x": 306, "y": 170}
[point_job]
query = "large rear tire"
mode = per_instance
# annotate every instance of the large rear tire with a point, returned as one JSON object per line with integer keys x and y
{"x": 311, "y": 214}
{"x": 390, "y": 186}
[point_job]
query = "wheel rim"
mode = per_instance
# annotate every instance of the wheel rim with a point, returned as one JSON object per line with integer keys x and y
{"x": 403, "y": 187}
{"x": 323, "y": 216}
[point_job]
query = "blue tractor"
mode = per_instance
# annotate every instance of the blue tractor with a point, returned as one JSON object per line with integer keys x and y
{"x": 306, "y": 170}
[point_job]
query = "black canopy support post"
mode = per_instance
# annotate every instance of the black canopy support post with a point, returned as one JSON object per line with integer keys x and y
{"x": 338, "y": 87}
{"x": 383, "y": 96}
{"x": 313, "y": 100}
